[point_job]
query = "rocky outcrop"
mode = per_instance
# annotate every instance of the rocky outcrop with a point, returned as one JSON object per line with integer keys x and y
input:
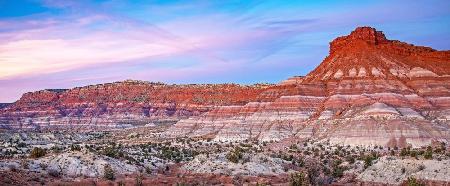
{"x": 218, "y": 164}
{"x": 121, "y": 104}
{"x": 368, "y": 91}
{"x": 72, "y": 164}
{"x": 389, "y": 170}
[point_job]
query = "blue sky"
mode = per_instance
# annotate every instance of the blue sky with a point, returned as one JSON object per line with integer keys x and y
{"x": 63, "y": 44}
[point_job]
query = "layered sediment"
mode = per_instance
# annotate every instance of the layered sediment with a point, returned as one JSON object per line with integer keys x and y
{"x": 121, "y": 104}
{"x": 368, "y": 91}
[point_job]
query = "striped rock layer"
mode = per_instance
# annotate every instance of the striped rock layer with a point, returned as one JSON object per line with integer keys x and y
{"x": 120, "y": 104}
{"x": 368, "y": 91}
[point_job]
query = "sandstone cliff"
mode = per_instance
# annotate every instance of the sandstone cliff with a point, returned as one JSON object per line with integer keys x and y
{"x": 368, "y": 91}
{"x": 121, "y": 104}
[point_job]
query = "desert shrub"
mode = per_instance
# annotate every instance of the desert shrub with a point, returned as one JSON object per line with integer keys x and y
{"x": 121, "y": 183}
{"x": 56, "y": 149}
{"x": 286, "y": 157}
{"x": 429, "y": 153}
{"x": 174, "y": 153}
{"x": 37, "y": 152}
{"x": 296, "y": 161}
{"x": 231, "y": 156}
{"x": 185, "y": 184}
{"x": 338, "y": 171}
{"x": 404, "y": 152}
{"x": 138, "y": 180}
{"x": 113, "y": 152}
{"x": 368, "y": 160}
{"x": 293, "y": 147}
{"x": 43, "y": 166}
{"x": 108, "y": 172}
{"x": 413, "y": 154}
{"x": 148, "y": 170}
{"x": 245, "y": 145}
{"x": 313, "y": 173}
{"x": 235, "y": 155}
{"x": 260, "y": 184}
{"x": 421, "y": 167}
{"x": 298, "y": 179}
{"x": 350, "y": 159}
{"x": 413, "y": 182}
{"x": 24, "y": 164}
{"x": 22, "y": 145}
{"x": 74, "y": 147}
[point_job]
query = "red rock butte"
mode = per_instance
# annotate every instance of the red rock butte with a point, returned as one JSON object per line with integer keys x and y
{"x": 368, "y": 49}
{"x": 368, "y": 91}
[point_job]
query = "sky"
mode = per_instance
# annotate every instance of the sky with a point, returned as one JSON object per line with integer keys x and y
{"x": 64, "y": 44}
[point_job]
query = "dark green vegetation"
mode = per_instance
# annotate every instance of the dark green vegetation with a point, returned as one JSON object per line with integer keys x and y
{"x": 414, "y": 182}
{"x": 37, "y": 152}
{"x": 108, "y": 172}
{"x": 235, "y": 155}
{"x": 298, "y": 179}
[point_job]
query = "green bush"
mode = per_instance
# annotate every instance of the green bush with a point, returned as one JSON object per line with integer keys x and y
{"x": 413, "y": 153}
{"x": 404, "y": 152}
{"x": 368, "y": 160}
{"x": 298, "y": 179}
{"x": 108, "y": 172}
{"x": 113, "y": 152}
{"x": 293, "y": 147}
{"x": 235, "y": 155}
{"x": 429, "y": 153}
{"x": 22, "y": 145}
{"x": 74, "y": 147}
{"x": 350, "y": 159}
{"x": 338, "y": 171}
{"x": 138, "y": 180}
{"x": 148, "y": 170}
{"x": 37, "y": 152}
{"x": 414, "y": 182}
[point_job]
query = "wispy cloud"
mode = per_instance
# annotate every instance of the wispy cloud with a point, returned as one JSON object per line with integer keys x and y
{"x": 31, "y": 57}
{"x": 291, "y": 22}
{"x": 57, "y": 46}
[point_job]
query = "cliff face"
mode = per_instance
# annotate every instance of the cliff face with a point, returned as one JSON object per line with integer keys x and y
{"x": 121, "y": 104}
{"x": 367, "y": 54}
{"x": 368, "y": 91}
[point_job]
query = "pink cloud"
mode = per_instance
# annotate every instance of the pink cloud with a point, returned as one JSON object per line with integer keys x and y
{"x": 29, "y": 57}
{"x": 60, "y": 46}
